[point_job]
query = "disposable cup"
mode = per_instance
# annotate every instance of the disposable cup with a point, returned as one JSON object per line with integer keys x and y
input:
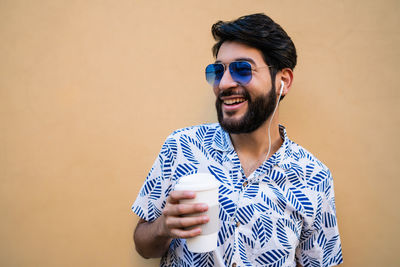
{"x": 206, "y": 188}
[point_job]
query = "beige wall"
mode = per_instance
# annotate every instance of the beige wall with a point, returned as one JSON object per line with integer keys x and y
{"x": 90, "y": 89}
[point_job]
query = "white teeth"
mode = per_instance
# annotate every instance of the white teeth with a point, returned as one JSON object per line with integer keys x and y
{"x": 233, "y": 101}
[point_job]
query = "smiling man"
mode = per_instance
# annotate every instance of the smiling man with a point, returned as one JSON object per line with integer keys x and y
{"x": 277, "y": 205}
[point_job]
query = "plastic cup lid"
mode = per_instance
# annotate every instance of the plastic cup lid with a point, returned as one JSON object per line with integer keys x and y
{"x": 197, "y": 181}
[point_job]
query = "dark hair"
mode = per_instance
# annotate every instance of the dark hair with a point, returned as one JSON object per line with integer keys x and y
{"x": 261, "y": 32}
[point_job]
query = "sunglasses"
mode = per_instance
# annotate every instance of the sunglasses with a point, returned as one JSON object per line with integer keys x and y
{"x": 241, "y": 72}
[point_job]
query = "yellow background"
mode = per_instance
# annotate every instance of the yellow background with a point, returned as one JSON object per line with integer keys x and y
{"x": 89, "y": 90}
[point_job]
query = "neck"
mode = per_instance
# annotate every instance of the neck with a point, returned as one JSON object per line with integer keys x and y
{"x": 255, "y": 144}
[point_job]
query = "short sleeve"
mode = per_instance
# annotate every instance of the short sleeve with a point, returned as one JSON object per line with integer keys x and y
{"x": 320, "y": 241}
{"x": 158, "y": 184}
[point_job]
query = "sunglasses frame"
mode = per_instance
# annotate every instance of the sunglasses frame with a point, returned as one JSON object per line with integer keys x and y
{"x": 234, "y": 74}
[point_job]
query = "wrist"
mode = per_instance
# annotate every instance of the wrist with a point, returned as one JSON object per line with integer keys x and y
{"x": 162, "y": 230}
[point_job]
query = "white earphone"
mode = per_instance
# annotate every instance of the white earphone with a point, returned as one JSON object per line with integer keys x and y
{"x": 282, "y": 85}
{"x": 270, "y": 121}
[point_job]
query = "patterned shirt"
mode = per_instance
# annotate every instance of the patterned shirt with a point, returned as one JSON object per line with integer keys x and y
{"x": 282, "y": 213}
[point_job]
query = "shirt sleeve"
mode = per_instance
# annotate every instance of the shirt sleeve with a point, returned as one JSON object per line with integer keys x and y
{"x": 158, "y": 184}
{"x": 320, "y": 241}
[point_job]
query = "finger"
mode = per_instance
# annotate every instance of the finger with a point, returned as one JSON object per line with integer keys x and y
{"x": 182, "y": 209}
{"x": 175, "y": 196}
{"x": 184, "y": 222}
{"x": 179, "y": 233}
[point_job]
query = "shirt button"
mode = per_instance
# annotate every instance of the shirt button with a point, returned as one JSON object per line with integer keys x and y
{"x": 237, "y": 224}
{"x": 245, "y": 184}
{"x": 234, "y": 264}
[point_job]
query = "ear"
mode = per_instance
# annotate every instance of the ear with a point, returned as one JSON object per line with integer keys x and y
{"x": 285, "y": 75}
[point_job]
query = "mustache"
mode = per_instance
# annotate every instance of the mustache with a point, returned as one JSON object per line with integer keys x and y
{"x": 226, "y": 93}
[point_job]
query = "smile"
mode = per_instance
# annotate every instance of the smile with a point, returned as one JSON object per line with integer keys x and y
{"x": 234, "y": 101}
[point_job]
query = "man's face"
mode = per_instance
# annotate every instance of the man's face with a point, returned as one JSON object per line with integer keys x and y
{"x": 244, "y": 108}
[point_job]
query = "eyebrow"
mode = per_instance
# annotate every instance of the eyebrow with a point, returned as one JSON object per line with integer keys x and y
{"x": 241, "y": 59}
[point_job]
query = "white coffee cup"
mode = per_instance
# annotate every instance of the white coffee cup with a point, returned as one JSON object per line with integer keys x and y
{"x": 206, "y": 188}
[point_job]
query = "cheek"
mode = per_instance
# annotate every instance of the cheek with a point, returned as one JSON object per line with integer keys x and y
{"x": 216, "y": 91}
{"x": 260, "y": 87}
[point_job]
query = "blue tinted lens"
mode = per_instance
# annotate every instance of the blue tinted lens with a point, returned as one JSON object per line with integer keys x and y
{"x": 214, "y": 73}
{"x": 240, "y": 71}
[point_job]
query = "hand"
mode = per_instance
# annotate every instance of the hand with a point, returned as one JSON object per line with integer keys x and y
{"x": 174, "y": 224}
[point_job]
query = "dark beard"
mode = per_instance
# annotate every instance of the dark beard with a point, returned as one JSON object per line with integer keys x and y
{"x": 259, "y": 110}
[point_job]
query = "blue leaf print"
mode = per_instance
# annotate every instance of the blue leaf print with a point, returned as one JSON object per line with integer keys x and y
{"x": 305, "y": 154}
{"x": 246, "y": 240}
{"x": 278, "y": 176}
{"x": 203, "y": 259}
{"x": 321, "y": 240}
{"x": 286, "y": 203}
{"x": 262, "y": 208}
{"x": 188, "y": 255}
{"x": 295, "y": 180}
{"x": 198, "y": 145}
{"x": 139, "y": 211}
{"x": 168, "y": 190}
{"x": 184, "y": 169}
{"x": 273, "y": 258}
{"x": 167, "y": 156}
{"x": 223, "y": 190}
{"x": 148, "y": 186}
{"x": 220, "y": 175}
{"x": 281, "y": 201}
{"x": 166, "y": 163}
{"x": 297, "y": 169}
{"x": 186, "y": 150}
{"x": 297, "y": 220}
{"x": 332, "y": 203}
{"x": 243, "y": 250}
{"x": 228, "y": 254}
{"x": 307, "y": 240}
{"x": 330, "y": 245}
{"x": 314, "y": 262}
{"x": 218, "y": 139}
{"x": 251, "y": 191}
{"x": 156, "y": 192}
{"x": 208, "y": 141}
{"x": 153, "y": 212}
{"x": 329, "y": 220}
{"x": 200, "y": 133}
{"x": 319, "y": 182}
{"x": 338, "y": 258}
{"x": 225, "y": 232}
{"x": 296, "y": 216}
{"x": 236, "y": 178}
{"x": 262, "y": 230}
{"x": 245, "y": 214}
{"x": 271, "y": 205}
{"x": 172, "y": 146}
{"x": 283, "y": 239}
{"x": 283, "y": 226}
{"x": 300, "y": 201}
{"x": 227, "y": 208}
{"x": 309, "y": 169}
{"x": 318, "y": 214}
{"x": 328, "y": 189}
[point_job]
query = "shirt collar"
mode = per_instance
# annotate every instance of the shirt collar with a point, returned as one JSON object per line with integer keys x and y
{"x": 222, "y": 142}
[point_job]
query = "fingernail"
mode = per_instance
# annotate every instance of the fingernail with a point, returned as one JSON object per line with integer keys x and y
{"x": 189, "y": 193}
{"x": 203, "y": 206}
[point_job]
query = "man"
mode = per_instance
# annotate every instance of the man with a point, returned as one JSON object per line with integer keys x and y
{"x": 276, "y": 199}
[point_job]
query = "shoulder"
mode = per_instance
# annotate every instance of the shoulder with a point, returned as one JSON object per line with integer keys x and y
{"x": 197, "y": 130}
{"x": 308, "y": 172}
{"x": 305, "y": 159}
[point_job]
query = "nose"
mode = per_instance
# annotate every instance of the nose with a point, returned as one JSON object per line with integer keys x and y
{"x": 227, "y": 81}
